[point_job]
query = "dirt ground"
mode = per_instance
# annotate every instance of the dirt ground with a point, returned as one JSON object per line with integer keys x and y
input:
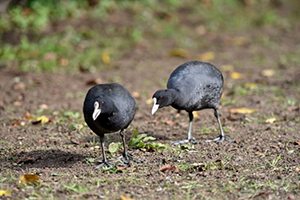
{"x": 263, "y": 164}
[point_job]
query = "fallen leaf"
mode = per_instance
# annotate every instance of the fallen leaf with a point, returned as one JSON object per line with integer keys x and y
{"x": 17, "y": 103}
{"x": 271, "y": 120}
{"x": 242, "y": 111}
{"x": 94, "y": 81}
{"x": 236, "y": 75}
{"x": 297, "y": 169}
{"x": 19, "y": 86}
{"x": 74, "y": 141}
{"x": 169, "y": 167}
{"x": 43, "y": 106}
{"x": 50, "y": 56}
{"x": 298, "y": 143}
{"x": 179, "y": 53}
{"x": 201, "y": 30}
{"x": 207, "y": 56}
{"x": 29, "y": 179}
{"x": 122, "y": 197}
{"x": 227, "y": 68}
{"x": 105, "y": 57}
{"x": 250, "y": 85}
{"x": 196, "y": 114}
{"x": 149, "y": 101}
{"x": 136, "y": 95}
{"x": 27, "y": 115}
{"x": 236, "y": 41}
{"x": 259, "y": 153}
{"x": 63, "y": 62}
{"x": 26, "y": 160}
{"x": 267, "y": 72}
{"x": 5, "y": 193}
{"x": 42, "y": 119}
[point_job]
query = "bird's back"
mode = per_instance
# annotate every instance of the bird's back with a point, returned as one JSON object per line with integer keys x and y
{"x": 200, "y": 86}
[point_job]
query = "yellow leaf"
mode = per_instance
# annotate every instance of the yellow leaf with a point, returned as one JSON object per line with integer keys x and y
{"x": 236, "y": 75}
{"x": 271, "y": 120}
{"x": 251, "y": 85}
{"x": 179, "y": 53}
{"x": 105, "y": 58}
{"x": 242, "y": 111}
{"x": 5, "y": 193}
{"x": 196, "y": 114}
{"x": 227, "y": 68}
{"x": 149, "y": 101}
{"x": 43, "y": 119}
{"x": 268, "y": 72}
{"x": 122, "y": 197}
{"x": 29, "y": 179}
{"x": 207, "y": 56}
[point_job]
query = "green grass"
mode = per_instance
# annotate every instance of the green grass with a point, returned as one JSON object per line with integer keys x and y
{"x": 75, "y": 48}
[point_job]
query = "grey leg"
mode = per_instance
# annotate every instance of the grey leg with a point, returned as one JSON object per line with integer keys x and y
{"x": 104, "y": 162}
{"x": 222, "y": 136}
{"x": 127, "y": 157}
{"x": 190, "y": 138}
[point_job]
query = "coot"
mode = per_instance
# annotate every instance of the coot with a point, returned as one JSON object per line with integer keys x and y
{"x": 193, "y": 86}
{"x": 109, "y": 108}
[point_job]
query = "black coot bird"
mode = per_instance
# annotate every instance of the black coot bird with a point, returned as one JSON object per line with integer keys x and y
{"x": 193, "y": 86}
{"x": 109, "y": 108}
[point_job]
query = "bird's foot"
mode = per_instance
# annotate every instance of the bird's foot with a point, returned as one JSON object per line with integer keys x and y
{"x": 104, "y": 164}
{"x": 220, "y": 139}
{"x": 192, "y": 140}
{"x": 127, "y": 158}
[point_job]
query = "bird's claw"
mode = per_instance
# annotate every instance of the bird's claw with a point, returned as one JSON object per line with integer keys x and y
{"x": 103, "y": 164}
{"x": 192, "y": 140}
{"x": 220, "y": 139}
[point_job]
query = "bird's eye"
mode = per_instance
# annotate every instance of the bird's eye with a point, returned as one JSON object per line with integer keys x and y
{"x": 102, "y": 103}
{"x": 160, "y": 97}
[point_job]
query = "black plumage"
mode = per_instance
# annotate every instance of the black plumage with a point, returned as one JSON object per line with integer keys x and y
{"x": 109, "y": 108}
{"x": 193, "y": 86}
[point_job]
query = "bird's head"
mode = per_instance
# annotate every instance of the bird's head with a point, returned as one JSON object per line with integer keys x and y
{"x": 161, "y": 98}
{"x": 103, "y": 105}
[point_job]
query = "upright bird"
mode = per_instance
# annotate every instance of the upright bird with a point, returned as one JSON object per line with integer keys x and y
{"x": 193, "y": 86}
{"x": 109, "y": 108}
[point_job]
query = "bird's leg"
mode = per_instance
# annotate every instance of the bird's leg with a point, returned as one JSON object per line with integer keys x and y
{"x": 126, "y": 156}
{"x": 222, "y": 136}
{"x": 190, "y": 138}
{"x": 104, "y": 162}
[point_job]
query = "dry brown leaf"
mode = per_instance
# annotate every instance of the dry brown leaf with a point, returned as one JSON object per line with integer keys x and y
{"x": 268, "y": 72}
{"x": 207, "y": 56}
{"x": 169, "y": 167}
{"x": 105, "y": 57}
{"x": 179, "y": 53}
{"x": 242, "y": 111}
{"x": 27, "y": 115}
{"x": 19, "y": 86}
{"x": 26, "y": 160}
{"x": 201, "y": 30}
{"x": 136, "y": 95}
{"x": 259, "y": 153}
{"x": 236, "y": 41}
{"x": 271, "y": 120}
{"x": 43, "y": 106}
{"x": 63, "y": 62}
{"x": 236, "y": 75}
{"x": 94, "y": 81}
{"x": 5, "y": 193}
{"x": 74, "y": 141}
{"x": 50, "y": 56}
{"x": 29, "y": 179}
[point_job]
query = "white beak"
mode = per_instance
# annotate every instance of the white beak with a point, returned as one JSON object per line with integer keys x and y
{"x": 155, "y": 106}
{"x": 97, "y": 110}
